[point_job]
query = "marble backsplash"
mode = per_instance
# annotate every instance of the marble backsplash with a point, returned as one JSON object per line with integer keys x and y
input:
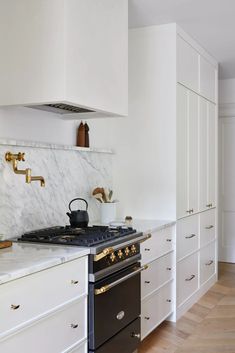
{"x": 69, "y": 173}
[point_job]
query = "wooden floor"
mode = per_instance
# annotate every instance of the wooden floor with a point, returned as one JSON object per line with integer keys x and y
{"x": 208, "y": 327}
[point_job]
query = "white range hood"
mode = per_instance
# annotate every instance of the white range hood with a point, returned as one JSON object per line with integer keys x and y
{"x": 65, "y": 56}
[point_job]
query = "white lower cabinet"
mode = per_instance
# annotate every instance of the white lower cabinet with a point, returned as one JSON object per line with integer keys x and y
{"x": 207, "y": 262}
{"x": 155, "y": 309}
{"x": 46, "y": 312}
{"x": 187, "y": 278}
{"x": 187, "y": 236}
{"x": 157, "y": 280}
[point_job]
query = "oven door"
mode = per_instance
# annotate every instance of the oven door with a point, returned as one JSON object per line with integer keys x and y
{"x": 114, "y": 302}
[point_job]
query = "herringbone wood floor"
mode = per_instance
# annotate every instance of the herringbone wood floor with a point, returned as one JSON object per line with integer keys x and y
{"x": 208, "y": 327}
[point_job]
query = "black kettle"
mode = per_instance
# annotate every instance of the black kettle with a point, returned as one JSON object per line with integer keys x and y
{"x": 78, "y": 218}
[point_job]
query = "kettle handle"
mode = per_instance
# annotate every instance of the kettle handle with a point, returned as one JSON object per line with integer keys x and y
{"x": 76, "y": 200}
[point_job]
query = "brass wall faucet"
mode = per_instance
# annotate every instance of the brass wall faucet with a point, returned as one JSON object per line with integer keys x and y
{"x": 19, "y": 157}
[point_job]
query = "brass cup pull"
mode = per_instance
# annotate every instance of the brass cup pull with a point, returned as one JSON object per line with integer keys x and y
{"x": 147, "y": 282}
{"x": 190, "y": 278}
{"x": 74, "y": 282}
{"x": 135, "y": 335}
{"x": 74, "y": 325}
{"x": 209, "y": 227}
{"x": 190, "y": 236}
{"x": 209, "y": 263}
{"x": 147, "y": 318}
{"x": 15, "y": 307}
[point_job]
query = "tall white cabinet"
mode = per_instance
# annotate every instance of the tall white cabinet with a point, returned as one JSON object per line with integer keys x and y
{"x": 173, "y": 109}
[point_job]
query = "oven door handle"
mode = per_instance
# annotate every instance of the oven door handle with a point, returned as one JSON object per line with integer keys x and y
{"x": 107, "y": 287}
{"x": 108, "y": 251}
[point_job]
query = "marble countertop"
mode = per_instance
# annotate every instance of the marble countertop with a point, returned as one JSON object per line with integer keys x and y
{"x": 148, "y": 226}
{"x": 23, "y": 259}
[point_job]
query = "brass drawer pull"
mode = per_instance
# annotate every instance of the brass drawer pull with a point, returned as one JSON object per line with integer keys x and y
{"x": 190, "y": 278}
{"x": 168, "y": 268}
{"x": 147, "y": 317}
{"x": 74, "y": 325}
{"x": 74, "y": 282}
{"x": 209, "y": 263}
{"x": 190, "y": 211}
{"x": 209, "y": 227}
{"x": 146, "y": 249}
{"x": 168, "y": 300}
{"x": 147, "y": 282}
{"x": 168, "y": 239}
{"x": 209, "y": 205}
{"x": 190, "y": 236}
{"x": 15, "y": 307}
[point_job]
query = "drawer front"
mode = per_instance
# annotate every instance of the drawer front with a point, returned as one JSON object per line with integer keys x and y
{"x": 52, "y": 334}
{"x": 207, "y": 262}
{"x": 155, "y": 309}
{"x": 187, "y": 279}
{"x": 159, "y": 271}
{"x": 160, "y": 243}
{"x": 187, "y": 236}
{"x": 207, "y": 226}
{"x": 24, "y": 299}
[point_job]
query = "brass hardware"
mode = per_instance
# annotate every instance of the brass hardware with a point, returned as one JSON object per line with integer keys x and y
{"x": 190, "y": 236}
{"x": 147, "y": 317}
{"x": 209, "y": 263}
{"x": 169, "y": 240}
{"x": 147, "y": 282}
{"x": 102, "y": 290}
{"x": 104, "y": 253}
{"x": 168, "y": 268}
{"x": 112, "y": 257}
{"x": 135, "y": 335}
{"x": 190, "y": 278}
{"x": 146, "y": 249}
{"x": 168, "y": 300}
{"x": 209, "y": 227}
{"x": 74, "y": 282}
{"x": 190, "y": 211}
{"x": 133, "y": 249}
{"x": 19, "y": 157}
{"x": 120, "y": 254}
{"x": 15, "y": 307}
{"x": 74, "y": 325}
{"x": 120, "y": 315}
{"x": 209, "y": 205}
{"x": 127, "y": 251}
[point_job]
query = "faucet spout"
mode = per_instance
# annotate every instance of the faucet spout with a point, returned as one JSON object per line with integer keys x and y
{"x": 30, "y": 178}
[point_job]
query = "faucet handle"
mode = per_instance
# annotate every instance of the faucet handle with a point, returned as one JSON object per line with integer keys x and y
{"x": 20, "y": 157}
{"x": 17, "y": 157}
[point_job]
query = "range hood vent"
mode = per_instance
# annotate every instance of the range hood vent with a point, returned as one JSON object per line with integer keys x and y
{"x": 61, "y": 108}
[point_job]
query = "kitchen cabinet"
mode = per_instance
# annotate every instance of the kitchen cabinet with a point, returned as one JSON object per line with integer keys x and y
{"x": 27, "y": 317}
{"x": 187, "y": 152}
{"x": 173, "y": 84}
{"x": 68, "y": 53}
{"x": 157, "y": 293}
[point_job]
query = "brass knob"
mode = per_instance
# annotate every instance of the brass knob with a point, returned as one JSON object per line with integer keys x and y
{"x": 133, "y": 248}
{"x": 15, "y": 307}
{"x": 120, "y": 254}
{"x": 112, "y": 257}
{"x": 127, "y": 251}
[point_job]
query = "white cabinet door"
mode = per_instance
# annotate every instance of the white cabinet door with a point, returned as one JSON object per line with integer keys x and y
{"x": 193, "y": 167}
{"x": 182, "y": 151}
{"x": 208, "y": 76}
{"x": 211, "y": 188}
{"x": 188, "y": 65}
{"x": 203, "y": 155}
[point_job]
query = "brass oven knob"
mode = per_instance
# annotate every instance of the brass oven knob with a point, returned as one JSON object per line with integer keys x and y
{"x": 127, "y": 251}
{"x": 120, "y": 254}
{"x": 133, "y": 249}
{"x": 112, "y": 257}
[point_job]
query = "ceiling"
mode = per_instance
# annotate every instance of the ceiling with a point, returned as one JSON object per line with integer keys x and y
{"x": 210, "y": 22}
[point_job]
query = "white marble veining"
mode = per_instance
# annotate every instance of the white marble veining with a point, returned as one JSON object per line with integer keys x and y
{"x": 19, "y": 143}
{"x": 68, "y": 174}
{"x": 24, "y": 259}
{"x": 149, "y": 226}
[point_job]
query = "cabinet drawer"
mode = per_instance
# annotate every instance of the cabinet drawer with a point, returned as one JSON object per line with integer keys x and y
{"x": 28, "y": 297}
{"x": 187, "y": 65}
{"x": 52, "y": 334}
{"x": 155, "y": 309}
{"x": 207, "y": 262}
{"x": 158, "y": 272}
{"x": 187, "y": 236}
{"x": 207, "y": 227}
{"x": 187, "y": 278}
{"x": 160, "y": 243}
